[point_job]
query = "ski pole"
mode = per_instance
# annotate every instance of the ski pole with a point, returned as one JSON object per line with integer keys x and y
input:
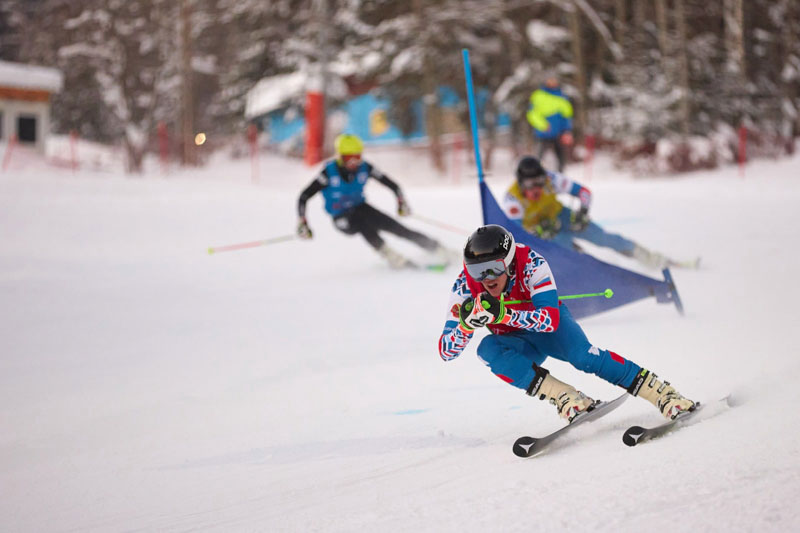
{"x": 433, "y": 222}
{"x": 608, "y": 293}
{"x": 252, "y": 244}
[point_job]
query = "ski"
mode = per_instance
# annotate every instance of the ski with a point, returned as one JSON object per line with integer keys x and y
{"x": 691, "y": 264}
{"x": 434, "y": 267}
{"x": 637, "y": 434}
{"x": 530, "y": 446}
{"x": 437, "y": 264}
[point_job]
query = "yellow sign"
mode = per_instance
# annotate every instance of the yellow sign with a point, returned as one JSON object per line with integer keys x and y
{"x": 378, "y": 122}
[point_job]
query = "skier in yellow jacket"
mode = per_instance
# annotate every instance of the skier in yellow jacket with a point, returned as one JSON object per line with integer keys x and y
{"x": 532, "y": 201}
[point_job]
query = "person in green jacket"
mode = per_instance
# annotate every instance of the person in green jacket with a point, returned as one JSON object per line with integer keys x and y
{"x": 550, "y": 114}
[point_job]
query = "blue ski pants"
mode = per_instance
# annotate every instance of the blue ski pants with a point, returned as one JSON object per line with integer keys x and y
{"x": 592, "y": 233}
{"x": 512, "y": 356}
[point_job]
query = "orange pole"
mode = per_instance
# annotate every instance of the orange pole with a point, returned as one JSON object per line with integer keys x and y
{"x": 315, "y": 109}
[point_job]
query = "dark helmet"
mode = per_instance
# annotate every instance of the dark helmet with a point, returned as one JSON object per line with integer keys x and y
{"x": 487, "y": 244}
{"x": 530, "y": 172}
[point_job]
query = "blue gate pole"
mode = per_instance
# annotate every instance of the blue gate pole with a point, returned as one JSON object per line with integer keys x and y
{"x": 473, "y": 116}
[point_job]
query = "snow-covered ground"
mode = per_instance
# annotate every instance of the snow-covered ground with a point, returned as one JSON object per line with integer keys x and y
{"x": 145, "y": 385}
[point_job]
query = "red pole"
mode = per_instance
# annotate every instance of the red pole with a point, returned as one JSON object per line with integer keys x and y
{"x": 9, "y": 148}
{"x": 73, "y": 149}
{"x": 315, "y": 109}
{"x": 587, "y": 163}
{"x": 163, "y": 146}
{"x": 251, "y": 244}
{"x": 742, "y": 149}
{"x": 252, "y": 138}
{"x": 458, "y": 146}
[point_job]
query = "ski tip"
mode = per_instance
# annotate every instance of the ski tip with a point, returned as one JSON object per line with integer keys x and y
{"x": 632, "y": 435}
{"x": 437, "y": 267}
{"x": 523, "y": 446}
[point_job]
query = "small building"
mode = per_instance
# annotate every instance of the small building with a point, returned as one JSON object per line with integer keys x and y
{"x": 276, "y": 105}
{"x": 25, "y": 102}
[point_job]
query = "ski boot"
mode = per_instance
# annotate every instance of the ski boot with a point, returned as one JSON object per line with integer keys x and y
{"x": 648, "y": 258}
{"x": 663, "y": 395}
{"x": 396, "y": 260}
{"x": 569, "y": 402}
{"x": 446, "y": 256}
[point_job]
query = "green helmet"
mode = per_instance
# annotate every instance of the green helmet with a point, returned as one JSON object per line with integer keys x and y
{"x": 348, "y": 144}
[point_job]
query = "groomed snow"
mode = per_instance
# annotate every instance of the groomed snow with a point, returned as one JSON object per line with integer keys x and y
{"x": 148, "y": 386}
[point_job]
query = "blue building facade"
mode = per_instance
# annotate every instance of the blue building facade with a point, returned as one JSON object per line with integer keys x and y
{"x": 367, "y": 116}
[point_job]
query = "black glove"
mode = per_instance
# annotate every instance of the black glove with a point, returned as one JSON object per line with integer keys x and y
{"x": 402, "y": 207}
{"x": 579, "y": 220}
{"x": 547, "y": 228}
{"x": 490, "y": 310}
{"x": 303, "y": 231}
{"x": 494, "y": 306}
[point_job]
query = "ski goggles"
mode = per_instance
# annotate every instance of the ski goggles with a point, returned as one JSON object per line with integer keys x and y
{"x": 351, "y": 161}
{"x": 487, "y": 270}
{"x": 533, "y": 183}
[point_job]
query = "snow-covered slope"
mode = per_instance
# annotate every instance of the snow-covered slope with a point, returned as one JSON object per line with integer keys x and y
{"x": 145, "y": 385}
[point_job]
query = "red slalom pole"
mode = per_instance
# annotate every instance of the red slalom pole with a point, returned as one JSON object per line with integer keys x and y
{"x": 163, "y": 146}
{"x": 252, "y": 139}
{"x": 251, "y": 244}
{"x": 315, "y": 127}
{"x": 12, "y": 142}
{"x": 73, "y": 150}
{"x": 742, "y": 149}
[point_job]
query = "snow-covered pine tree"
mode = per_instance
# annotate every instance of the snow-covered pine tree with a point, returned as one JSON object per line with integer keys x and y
{"x": 130, "y": 47}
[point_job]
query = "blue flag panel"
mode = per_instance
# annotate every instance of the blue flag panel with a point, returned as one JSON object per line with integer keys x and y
{"x": 578, "y": 273}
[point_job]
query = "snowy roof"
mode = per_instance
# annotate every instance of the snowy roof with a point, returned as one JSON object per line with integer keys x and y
{"x": 21, "y": 76}
{"x": 545, "y": 36}
{"x": 275, "y": 92}
{"x": 272, "y": 93}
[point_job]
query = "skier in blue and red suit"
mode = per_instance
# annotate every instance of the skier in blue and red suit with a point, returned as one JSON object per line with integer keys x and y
{"x": 524, "y": 335}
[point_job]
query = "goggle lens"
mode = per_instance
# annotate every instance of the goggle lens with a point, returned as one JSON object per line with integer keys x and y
{"x": 487, "y": 270}
{"x": 351, "y": 160}
{"x": 532, "y": 183}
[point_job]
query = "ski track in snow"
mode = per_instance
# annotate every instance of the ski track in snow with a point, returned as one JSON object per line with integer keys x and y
{"x": 147, "y": 386}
